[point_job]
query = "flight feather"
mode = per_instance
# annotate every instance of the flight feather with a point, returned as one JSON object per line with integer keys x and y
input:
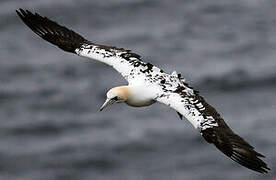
{"x": 171, "y": 89}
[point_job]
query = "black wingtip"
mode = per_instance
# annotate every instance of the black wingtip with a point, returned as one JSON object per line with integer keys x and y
{"x": 244, "y": 154}
{"x": 235, "y": 147}
{"x": 257, "y": 166}
{"x": 51, "y": 31}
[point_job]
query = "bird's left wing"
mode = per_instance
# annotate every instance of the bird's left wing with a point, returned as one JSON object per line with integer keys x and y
{"x": 173, "y": 91}
{"x": 129, "y": 64}
{"x": 186, "y": 101}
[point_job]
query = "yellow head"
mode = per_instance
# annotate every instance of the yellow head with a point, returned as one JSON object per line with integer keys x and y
{"x": 116, "y": 95}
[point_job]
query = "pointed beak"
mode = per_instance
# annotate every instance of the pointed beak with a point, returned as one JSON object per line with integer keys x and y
{"x": 106, "y": 103}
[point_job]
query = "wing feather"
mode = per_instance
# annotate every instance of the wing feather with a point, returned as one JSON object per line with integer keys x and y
{"x": 211, "y": 126}
{"x": 174, "y": 92}
{"x": 127, "y": 63}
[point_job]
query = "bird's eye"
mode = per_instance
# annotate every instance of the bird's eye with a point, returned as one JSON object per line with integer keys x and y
{"x": 115, "y": 98}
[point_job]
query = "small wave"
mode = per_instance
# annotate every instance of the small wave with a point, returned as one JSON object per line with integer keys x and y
{"x": 238, "y": 80}
{"x": 41, "y": 129}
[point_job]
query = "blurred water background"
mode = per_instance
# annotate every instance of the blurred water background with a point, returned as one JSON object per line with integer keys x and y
{"x": 51, "y": 128}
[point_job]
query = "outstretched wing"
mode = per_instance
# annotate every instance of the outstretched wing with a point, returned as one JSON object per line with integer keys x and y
{"x": 124, "y": 61}
{"x": 210, "y": 124}
{"x": 173, "y": 90}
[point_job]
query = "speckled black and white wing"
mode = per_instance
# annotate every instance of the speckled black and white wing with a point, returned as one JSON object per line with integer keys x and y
{"x": 170, "y": 89}
{"x": 186, "y": 101}
{"x": 129, "y": 64}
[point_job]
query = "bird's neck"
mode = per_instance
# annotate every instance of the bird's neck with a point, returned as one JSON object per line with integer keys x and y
{"x": 138, "y": 95}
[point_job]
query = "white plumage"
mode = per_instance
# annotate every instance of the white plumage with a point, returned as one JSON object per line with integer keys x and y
{"x": 148, "y": 84}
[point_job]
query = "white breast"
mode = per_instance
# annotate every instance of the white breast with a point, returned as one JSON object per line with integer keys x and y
{"x": 141, "y": 96}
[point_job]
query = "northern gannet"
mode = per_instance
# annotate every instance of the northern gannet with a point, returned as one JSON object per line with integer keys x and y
{"x": 148, "y": 84}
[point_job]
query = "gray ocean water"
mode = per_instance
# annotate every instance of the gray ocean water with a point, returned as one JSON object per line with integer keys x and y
{"x": 51, "y": 128}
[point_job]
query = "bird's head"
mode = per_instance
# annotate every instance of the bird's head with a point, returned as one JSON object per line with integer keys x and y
{"x": 115, "y": 95}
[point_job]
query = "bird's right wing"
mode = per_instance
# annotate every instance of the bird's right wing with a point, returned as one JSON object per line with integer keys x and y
{"x": 127, "y": 63}
{"x": 211, "y": 126}
{"x": 174, "y": 93}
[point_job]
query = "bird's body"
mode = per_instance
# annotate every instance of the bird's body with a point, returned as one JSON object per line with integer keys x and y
{"x": 148, "y": 84}
{"x": 137, "y": 99}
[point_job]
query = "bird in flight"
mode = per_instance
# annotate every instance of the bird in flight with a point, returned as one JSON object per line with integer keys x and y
{"x": 148, "y": 84}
